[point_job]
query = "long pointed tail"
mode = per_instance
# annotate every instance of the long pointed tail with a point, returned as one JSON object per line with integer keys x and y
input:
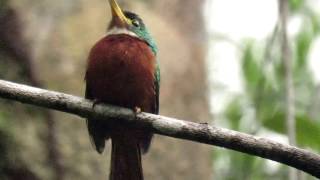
{"x": 125, "y": 158}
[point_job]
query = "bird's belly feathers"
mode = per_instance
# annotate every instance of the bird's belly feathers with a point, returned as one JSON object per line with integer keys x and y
{"x": 121, "y": 72}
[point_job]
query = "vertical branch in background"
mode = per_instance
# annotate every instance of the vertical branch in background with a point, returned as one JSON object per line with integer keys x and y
{"x": 289, "y": 87}
{"x": 54, "y": 155}
{"x": 315, "y": 104}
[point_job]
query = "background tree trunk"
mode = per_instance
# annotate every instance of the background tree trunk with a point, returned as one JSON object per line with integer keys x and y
{"x": 19, "y": 56}
{"x": 184, "y": 89}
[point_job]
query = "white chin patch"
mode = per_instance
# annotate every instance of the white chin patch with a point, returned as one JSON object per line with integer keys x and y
{"x": 116, "y": 30}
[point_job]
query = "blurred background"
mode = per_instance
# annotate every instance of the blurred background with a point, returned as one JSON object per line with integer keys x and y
{"x": 222, "y": 62}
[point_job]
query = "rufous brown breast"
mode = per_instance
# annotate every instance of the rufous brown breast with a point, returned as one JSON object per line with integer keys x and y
{"x": 121, "y": 72}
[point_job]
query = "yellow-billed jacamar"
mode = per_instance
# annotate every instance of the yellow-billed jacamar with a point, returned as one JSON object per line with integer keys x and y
{"x": 123, "y": 70}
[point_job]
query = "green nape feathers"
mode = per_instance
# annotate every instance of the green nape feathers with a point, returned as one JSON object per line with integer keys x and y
{"x": 139, "y": 28}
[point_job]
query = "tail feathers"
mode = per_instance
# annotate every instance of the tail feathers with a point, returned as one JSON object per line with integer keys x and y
{"x": 125, "y": 159}
{"x": 99, "y": 144}
{"x": 145, "y": 142}
{"x": 98, "y": 132}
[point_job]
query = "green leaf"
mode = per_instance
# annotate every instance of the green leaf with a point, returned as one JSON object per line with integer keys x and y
{"x": 244, "y": 164}
{"x": 279, "y": 71}
{"x": 275, "y": 122}
{"x": 269, "y": 100}
{"x": 315, "y": 21}
{"x": 303, "y": 43}
{"x": 251, "y": 69}
{"x": 296, "y": 5}
{"x": 308, "y": 132}
{"x": 233, "y": 113}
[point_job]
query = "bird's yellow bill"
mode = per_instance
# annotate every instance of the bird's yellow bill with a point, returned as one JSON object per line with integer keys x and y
{"x": 118, "y": 13}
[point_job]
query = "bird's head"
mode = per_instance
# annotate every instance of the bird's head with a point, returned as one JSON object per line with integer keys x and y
{"x": 125, "y": 22}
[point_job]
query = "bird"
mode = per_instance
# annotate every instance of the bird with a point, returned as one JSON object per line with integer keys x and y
{"x": 123, "y": 70}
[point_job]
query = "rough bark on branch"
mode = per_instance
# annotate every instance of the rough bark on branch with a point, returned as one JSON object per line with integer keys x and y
{"x": 202, "y": 133}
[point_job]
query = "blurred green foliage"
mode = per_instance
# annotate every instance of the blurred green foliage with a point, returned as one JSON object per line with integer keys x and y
{"x": 296, "y": 4}
{"x": 251, "y": 68}
{"x": 262, "y": 108}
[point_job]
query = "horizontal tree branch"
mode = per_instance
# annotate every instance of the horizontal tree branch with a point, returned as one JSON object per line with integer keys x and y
{"x": 304, "y": 160}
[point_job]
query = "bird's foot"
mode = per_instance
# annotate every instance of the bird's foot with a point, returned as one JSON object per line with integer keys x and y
{"x": 95, "y": 102}
{"x": 137, "y": 110}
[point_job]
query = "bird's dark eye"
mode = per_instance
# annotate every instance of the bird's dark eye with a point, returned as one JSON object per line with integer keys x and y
{"x": 136, "y": 23}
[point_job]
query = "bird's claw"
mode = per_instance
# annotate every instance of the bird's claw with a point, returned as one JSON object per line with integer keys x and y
{"x": 137, "y": 110}
{"x": 95, "y": 102}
